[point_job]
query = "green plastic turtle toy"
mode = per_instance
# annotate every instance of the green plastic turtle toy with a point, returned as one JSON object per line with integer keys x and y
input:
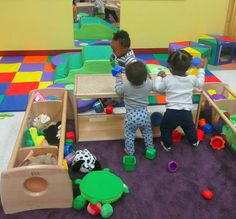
{"x": 99, "y": 188}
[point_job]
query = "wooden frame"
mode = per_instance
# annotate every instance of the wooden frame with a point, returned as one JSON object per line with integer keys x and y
{"x": 39, "y": 186}
{"x": 101, "y": 126}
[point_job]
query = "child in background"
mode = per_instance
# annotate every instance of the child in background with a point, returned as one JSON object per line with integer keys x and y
{"x": 179, "y": 90}
{"x": 122, "y": 54}
{"x": 135, "y": 93}
{"x": 75, "y": 11}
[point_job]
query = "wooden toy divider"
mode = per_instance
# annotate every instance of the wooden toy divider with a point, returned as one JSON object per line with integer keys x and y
{"x": 39, "y": 186}
{"x": 224, "y": 104}
{"x": 101, "y": 126}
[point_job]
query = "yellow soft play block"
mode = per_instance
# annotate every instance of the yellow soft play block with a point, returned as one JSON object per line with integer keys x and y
{"x": 193, "y": 52}
{"x": 193, "y": 71}
{"x": 9, "y": 67}
{"x": 205, "y": 36}
{"x": 27, "y": 76}
{"x": 44, "y": 84}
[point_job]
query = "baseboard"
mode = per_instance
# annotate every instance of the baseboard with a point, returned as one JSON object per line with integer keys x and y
{"x": 56, "y": 52}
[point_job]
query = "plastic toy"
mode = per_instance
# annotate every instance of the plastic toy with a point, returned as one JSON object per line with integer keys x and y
{"x": 129, "y": 163}
{"x": 156, "y": 119}
{"x": 217, "y": 142}
{"x": 116, "y": 70}
{"x": 150, "y": 153}
{"x": 70, "y": 135}
{"x": 207, "y": 194}
{"x": 4, "y": 115}
{"x": 69, "y": 158}
{"x": 51, "y": 98}
{"x": 172, "y": 166}
{"x": 176, "y": 136}
{"x": 68, "y": 149}
{"x": 109, "y": 109}
{"x": 38, "y": 97}
{"x": 94, "y": 209}
{"x": 84, "y": 162}
{"x": 200, "y": 135}
{"x": 98, "y": 107}
{"x": 218, "y": 126}
{"x": 211, "y": 92}
{"x": 207, "y": 128}
{"x": 202, "y": 122}
{"x": 218, "y": 97}
{"x": 100, "y": 187}
{"x": 196, "y": 61}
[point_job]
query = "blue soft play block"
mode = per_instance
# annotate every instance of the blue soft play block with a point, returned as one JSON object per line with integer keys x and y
{"x": 145, "y": 56}
{"x": 116, "y": 70}
{"x": 14, "y": 103}
{"x": 208, "y": 73}
{"x": 4, "y": 87}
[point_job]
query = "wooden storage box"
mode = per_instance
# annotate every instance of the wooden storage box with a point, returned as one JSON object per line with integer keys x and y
{"x": 39, "y": 186}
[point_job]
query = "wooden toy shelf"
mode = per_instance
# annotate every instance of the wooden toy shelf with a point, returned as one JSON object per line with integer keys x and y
{"x": 39, "y": 186}
{"x": 91, "y": 126}
{"x": 228, "y": 104}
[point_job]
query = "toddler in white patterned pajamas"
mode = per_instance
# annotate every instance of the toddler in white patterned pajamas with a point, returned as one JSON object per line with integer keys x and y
{"x": 135, "y": 93}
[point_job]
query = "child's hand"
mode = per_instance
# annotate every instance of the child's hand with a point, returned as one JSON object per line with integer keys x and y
{"x": 149, "y": 76}
{"x": 161, "y": 74}
{"x": 119, "y": 75}
{"x": 202, "y": 63}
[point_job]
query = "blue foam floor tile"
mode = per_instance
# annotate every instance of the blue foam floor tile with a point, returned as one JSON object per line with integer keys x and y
{"x": 14, "y": 103}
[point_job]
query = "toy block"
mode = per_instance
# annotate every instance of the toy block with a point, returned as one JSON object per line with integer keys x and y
{"x": 116, "y": 70}
{"x": 129, "y": 163}
{"x": 150, "y": 153}
{"x": 70, "y": 135}
{"x": 109, "y": 109}
{"x": 183, "y": 43}
{"x": 206, "y": 36}
{"x": 176, "y": 136}
{"x": 200, "y": 135}
{"x": 98, "y": 107}
{"x": 193, "y": 52}
{"x": 205, "y": 52}
{"x": 174, "y": 47}
{"x": 213, "y": 44}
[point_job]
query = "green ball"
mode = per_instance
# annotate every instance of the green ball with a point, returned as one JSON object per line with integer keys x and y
{"x": 79, "y": 202}
{"x": 106, "y": 211}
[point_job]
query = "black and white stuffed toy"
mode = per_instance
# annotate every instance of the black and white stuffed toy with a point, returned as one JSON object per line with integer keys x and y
{"x": 85, "y": 162}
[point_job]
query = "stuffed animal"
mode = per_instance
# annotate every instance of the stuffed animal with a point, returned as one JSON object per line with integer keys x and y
{"x": 85, "y": 162}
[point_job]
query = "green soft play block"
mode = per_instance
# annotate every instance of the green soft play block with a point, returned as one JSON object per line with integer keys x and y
{"x": 150, "y": 153}
{"x": 152, "y": 100}
{"x": 162, "y": 57}
{"x": 1, "y": 98}
{"x": 93, "y": 28}
{"x": 75, "y": 61}
{"x": 213, "y": 44}
{"x": 129, "y": 163}
{"x": 205, "y": 52}
{"x": 96, "y": 53}
{"x": 196, "y": 98}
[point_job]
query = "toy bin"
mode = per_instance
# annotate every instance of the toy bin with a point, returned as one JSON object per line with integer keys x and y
{"x": 39, "y": 186}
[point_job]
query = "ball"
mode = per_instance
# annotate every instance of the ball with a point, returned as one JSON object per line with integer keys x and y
{"x": 207, "y": 194}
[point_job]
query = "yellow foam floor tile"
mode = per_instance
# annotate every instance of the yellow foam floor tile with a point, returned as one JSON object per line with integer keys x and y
{"x": 45, "y": 84}
{"x": 9, "y": 67}
{"x": 27, "y": 77}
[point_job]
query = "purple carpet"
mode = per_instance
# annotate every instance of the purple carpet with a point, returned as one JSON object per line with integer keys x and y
{"x": 156, "y": 193}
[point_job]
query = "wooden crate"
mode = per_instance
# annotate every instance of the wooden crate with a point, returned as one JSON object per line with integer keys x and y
{"x": 39, "y": 186}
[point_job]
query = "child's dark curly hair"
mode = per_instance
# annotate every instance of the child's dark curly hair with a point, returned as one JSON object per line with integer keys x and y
{"x": 179, "y": 61}
{"x": 123, "y": 37}
{"x": 136, "y": 73}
